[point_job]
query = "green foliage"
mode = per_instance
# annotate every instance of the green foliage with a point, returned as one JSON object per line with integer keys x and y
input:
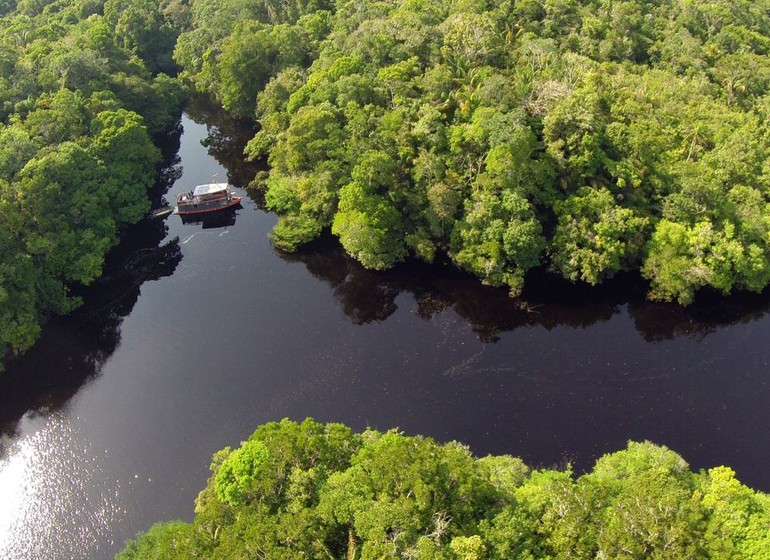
{"x": 293, "y": 231}
{"x": 158, "y": 101}
{"x": 121, "y": 144}
{"x": 315, "y": 491}
{"x": 569, "y": 133}
{"x": 499, "y": 238}
{"x": 239, "y": 472}
{"x": 650, "y": 504}
{"x": 77, "y": 107}
{"x": 367, "y": 222}
{"x": 164, "y": 541}
{"x": 141, "y": 27}
{"x": 734, "y": 510}
{"x": 595, "y": 237}
{"x": 249, "y": 55}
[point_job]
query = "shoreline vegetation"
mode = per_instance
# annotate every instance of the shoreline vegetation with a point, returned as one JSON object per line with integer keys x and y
{"x": 311, "y": 490}
{"x": 588, "y": 137}
{"x": 85, "y": 88}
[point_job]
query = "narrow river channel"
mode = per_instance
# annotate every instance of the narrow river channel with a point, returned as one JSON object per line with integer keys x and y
{"x": 198, "y": 334}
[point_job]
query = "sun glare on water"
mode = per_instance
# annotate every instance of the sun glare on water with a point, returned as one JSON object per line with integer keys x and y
{"x": 54, "y": 502}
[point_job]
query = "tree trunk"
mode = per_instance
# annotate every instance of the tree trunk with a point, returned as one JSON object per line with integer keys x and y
{"x": 352, "y": 545}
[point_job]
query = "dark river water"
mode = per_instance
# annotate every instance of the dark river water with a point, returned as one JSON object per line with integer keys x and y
{"x": 200, "y": 332}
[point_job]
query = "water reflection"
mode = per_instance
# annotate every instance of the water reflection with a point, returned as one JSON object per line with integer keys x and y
{"x": 710, "y": 312}
{"x": 365, "y": 296}
{"x": 225, "y": 140}
{"x": 212, "y": 220}
{"x": 56, "y": 500}
{"x": 548, "y": 302}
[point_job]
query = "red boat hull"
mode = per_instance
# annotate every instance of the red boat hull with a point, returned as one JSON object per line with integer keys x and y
{"x": 192, "y": 210}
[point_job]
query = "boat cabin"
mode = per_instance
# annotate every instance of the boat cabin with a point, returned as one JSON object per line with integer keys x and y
{"x": 207, "y": 198}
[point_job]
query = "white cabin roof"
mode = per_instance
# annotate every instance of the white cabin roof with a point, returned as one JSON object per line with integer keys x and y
{"x": 209, "y": 188}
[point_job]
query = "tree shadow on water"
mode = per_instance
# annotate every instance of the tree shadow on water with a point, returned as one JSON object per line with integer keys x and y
{"x": 365, "y": 296}
{"x": 225, "y": 141}
{"x": 548, "y": 301}
{"x": 709, "y": 313}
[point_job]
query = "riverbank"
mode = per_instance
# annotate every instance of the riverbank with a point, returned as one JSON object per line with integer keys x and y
{"x": 125, "y": 439}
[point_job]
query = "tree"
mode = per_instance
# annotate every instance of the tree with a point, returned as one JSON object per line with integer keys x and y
{"x": 165, "y": 541}
{"x": 250, "y": 56}
{"x": 498, "y": 239}
{"x": 314, "y": 135}
{"x": 68, "y": 231}
{"x": 17, "y": 147}
{"x": 123, "y": 146}
{"x": 595, "y": 237}
{"x": 399, "y": 488}
{"x": 240, "y": 472}
{"x": 470, "y": 40}
{"x": 368, "y": 225}
{"x": 651, "y": 507}
{"x": 141, "y": 27}
{"x": 58, "y": 118}
{"x": 573, "y": 133}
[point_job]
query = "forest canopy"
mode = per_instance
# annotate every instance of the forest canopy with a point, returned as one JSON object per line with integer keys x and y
{"x": 309, "y": 490}
{"x": 83, "y": 89}
{"x": 588, "y": 136}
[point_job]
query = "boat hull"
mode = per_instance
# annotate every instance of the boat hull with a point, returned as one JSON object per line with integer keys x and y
{"x": 193, "y": 209}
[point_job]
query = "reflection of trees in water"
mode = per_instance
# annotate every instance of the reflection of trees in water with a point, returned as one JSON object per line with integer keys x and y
{"x": 365, "y": 296}
{"x": 212, "y": 220}
{"x": 226, "y": 139}
{"x": 169, "y": 169}
{"x": 709, "y": 313}
{"x": 548, "y": 301}
{"x": 73, "y": 349}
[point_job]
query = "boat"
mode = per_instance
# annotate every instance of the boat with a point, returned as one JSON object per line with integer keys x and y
{"x": 210, "y": 197}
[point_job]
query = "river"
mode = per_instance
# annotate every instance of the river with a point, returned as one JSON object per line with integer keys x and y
{"x": 198, "y": 334}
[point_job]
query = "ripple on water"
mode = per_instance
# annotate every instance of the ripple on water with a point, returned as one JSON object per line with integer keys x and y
{"x": 55, "y": 500}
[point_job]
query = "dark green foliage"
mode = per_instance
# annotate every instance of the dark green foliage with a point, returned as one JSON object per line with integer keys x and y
{"x": 77, "y": 107}
{"x": 367, "y": 222}
{"x": 498, "y": 239}
{"x": 595, "y": 236}
{"x": 575, "y": 134}
{"x": 313, "y": 491}
{"x": 142, "y": 28}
